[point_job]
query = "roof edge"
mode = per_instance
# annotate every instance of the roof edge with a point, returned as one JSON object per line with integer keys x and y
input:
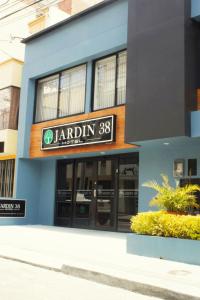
{"x": 10, "y": 60}
{"x": 68, "y": 20}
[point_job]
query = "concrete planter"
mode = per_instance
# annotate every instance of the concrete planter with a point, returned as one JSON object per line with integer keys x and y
{"x": 181, "y": 250}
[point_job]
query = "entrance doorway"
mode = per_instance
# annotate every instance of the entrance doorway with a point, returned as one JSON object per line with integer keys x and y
{"x": 97, "y": 193}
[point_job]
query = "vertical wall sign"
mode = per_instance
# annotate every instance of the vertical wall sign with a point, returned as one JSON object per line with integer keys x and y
{"x": 93, "y": 131}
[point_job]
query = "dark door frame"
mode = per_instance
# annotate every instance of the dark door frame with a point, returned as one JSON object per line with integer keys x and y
{"x": 114, "y": 209}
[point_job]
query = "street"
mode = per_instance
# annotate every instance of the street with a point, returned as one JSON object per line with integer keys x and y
{"x": 24, "y": 282}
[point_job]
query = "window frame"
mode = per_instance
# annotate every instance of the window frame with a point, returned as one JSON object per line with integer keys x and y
{"x": 116, "y": 54}
{"x": 59, "y": 92}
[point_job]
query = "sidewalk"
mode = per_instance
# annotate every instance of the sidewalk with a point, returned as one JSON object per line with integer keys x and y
{"x": 101, "y": 257}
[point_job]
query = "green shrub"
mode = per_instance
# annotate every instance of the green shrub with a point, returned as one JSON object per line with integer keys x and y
{"x": 168, "y": 225}
{"x": 176, "y": 199}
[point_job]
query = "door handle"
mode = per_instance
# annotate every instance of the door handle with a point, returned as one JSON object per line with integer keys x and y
{"x": 95, "y": 193}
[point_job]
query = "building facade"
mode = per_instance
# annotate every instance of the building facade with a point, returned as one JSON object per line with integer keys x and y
{"x": 10, "y": 74}
{"x": 109, "y": 100}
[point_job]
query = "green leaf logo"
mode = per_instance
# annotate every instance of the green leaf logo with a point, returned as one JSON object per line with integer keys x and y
{"x": 48, "y": 137}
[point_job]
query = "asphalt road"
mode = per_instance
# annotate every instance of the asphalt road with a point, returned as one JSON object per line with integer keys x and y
{"x": 19, "y": 281}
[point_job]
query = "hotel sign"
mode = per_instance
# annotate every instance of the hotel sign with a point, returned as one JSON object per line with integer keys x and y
{"x": 12, "y": 208}
{"x": 93, "y": 131}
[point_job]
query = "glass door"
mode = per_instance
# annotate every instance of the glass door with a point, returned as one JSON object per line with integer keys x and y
{"x": 97, "y": 193}
{"x": 127, "y": 192}
{"x": 105, "y": 193}
{"x": 84, "y": 194}
{"x": 63, "y": 212}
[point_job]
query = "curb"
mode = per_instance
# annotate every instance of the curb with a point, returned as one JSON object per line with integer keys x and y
{"x": 132, "y": 286}
{"x": 98, "y": 277}
{"x": 30, "y": 263}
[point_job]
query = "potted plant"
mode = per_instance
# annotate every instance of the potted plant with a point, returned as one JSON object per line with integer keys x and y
{"x": 176, "y": 199}
{"x": 170, "y": 233}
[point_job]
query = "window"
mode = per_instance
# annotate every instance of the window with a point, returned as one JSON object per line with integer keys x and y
{"x": 5, "y": 100}
{"x": 121, "y": 78}
{"x": 72, "y": 91}
{"x": 110, "y": 81}
{"x": 47, "y": 98}
{"x": 192, "y": 167}
{"x": 1, "y": 147}
{"x": 61, "y": 95}
{"x": 7, "y": 171}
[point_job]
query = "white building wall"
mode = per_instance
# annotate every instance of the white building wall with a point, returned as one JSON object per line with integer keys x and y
{"x": 10, "y": 73}
{"x": 9, "y": 137}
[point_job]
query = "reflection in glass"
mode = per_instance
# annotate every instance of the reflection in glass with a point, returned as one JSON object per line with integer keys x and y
{"x": 64, "y": 191}
{"x": 121, "y": 78}
{"x": 97, "y": 193}
{"x": 72, "y": 91}
{"x": 83, "y": 193}
{"x": 47, "y": 98}
{"x": 105, "y": 193}
{"x": 110, "y": 81}
{"x": 128, "y": 193}
{"x": 104, "y": 89}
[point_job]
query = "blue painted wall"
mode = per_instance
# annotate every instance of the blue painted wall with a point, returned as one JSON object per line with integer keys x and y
{"x": 93, "y": 35}
{"x": 27, "y": 186}
{"x": 37, "y": 183}
{"x": 156, "y": 158}
{"x": 47, "y": 192}
{"x": 165, "y": 248}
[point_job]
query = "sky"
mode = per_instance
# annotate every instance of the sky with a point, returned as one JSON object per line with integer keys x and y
{"x": 14, "y": 27}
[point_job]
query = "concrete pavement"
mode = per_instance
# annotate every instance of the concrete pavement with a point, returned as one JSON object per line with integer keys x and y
{"x": 101, "y": 257}
{"x": 22, "y": 282}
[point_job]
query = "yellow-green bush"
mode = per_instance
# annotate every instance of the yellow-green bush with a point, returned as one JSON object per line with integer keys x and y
{"x": 176, "y": 199}
{"x": 163, "y": 224}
